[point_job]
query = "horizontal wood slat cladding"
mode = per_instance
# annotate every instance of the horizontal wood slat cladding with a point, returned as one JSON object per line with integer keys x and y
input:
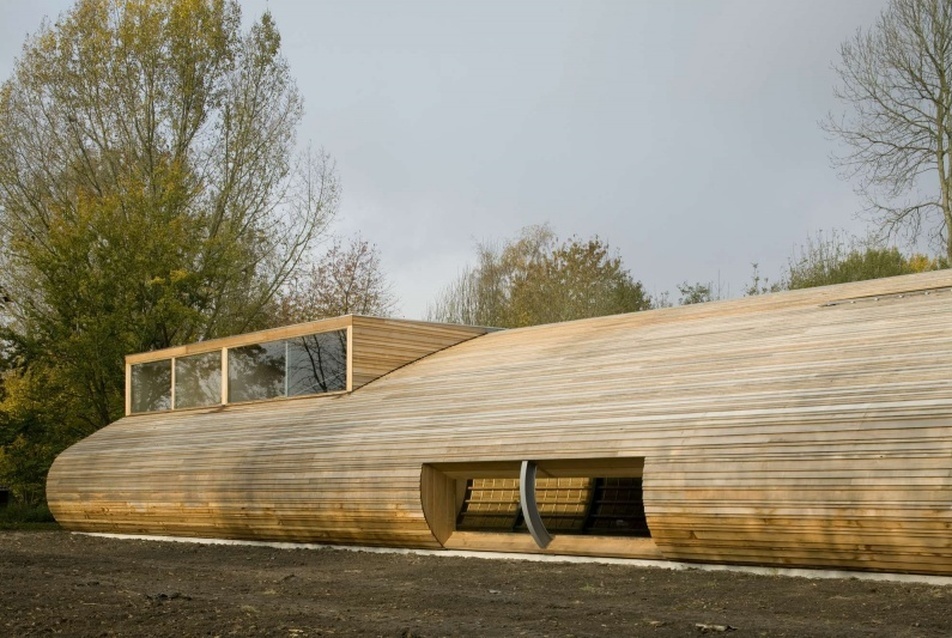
{"x": 376, "y": 346}
{"x": 805, "y": 428}
{"x": 380, "y": 346}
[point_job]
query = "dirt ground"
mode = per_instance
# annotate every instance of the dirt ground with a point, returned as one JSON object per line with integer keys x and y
{"x": 56, "y": 583}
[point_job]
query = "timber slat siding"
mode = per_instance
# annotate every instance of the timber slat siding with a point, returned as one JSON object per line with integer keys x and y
{"x": 380, "y": 346}
{"x": 774, "y": 430}
{"x": 376, "y": 346}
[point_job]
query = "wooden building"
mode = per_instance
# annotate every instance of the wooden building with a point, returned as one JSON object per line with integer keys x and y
{"x": 805, "y": 428}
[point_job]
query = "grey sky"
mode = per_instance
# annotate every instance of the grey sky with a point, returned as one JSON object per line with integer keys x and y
{"x": 682, "y": 132}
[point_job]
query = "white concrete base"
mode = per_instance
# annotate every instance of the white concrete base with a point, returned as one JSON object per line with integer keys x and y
{"x": 549, "y": 558}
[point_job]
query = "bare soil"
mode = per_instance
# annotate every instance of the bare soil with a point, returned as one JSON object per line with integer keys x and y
{"x": 56, "y": 583}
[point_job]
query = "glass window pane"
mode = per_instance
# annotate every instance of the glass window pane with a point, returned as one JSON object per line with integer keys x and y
{"x": 152, "y": 386}
{"x": 317, "y": 363}
{"x": 256, "y": 372}
{"x": 198, "y": 380}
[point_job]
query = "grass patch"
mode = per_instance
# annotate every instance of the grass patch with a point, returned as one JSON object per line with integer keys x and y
{"x": 17, "y": 516}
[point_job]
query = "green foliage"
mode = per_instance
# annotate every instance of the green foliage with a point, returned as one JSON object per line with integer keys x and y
{"x": 37, "y": 422}
{"x": 18, "y": 516}
{"x": 835, "y": 260}
{"x": 759, "y": 285}
{"x": 536, "y": 279}
{"x": 872, "y": 263}
{"x": 696, "y": 293}
{"x": 151, "y": 194}
{"x": 23, "y": 466}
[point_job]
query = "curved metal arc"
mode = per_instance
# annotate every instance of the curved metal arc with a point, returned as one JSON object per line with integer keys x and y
{"x": 530, "y": 509}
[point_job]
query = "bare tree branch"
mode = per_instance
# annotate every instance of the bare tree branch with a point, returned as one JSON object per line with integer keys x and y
{"x": 895, "y": 81}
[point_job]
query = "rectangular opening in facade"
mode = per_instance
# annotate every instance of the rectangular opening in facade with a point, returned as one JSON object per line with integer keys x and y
{"x": 297, "y": 366}
{"x": 587, "y": 506}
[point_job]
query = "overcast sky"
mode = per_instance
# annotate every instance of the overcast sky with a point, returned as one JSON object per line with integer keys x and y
{"x": 682, "y": 132}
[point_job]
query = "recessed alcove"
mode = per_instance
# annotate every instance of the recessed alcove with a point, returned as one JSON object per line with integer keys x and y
{"x": 588, "y": 506}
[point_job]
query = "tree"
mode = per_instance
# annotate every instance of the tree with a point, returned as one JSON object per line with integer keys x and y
{"x": 480, "y": 295}
{"x": 348, "y": 279}
{"x": 837, "y": 259}
{"x": 694, "y": 293}
{"x": 896, "y": 79}
{"x": 699, "y": 293}
{"x": 759, "y": 284}
{"x": 535, "y": 279}
{"x": 36, "y": 422}
{"x": 151, "y": 193}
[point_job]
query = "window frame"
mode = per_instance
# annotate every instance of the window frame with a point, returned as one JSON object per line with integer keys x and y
{"x": 171, "y": 355}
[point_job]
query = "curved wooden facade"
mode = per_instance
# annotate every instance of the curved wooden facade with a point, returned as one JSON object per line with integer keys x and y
{"x": 806, "y": 428}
